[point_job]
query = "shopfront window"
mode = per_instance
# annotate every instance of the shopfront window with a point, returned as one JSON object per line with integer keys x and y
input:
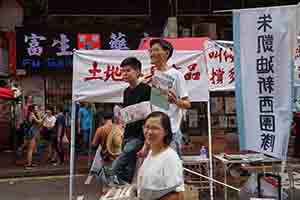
{"x": 3, "y": 56}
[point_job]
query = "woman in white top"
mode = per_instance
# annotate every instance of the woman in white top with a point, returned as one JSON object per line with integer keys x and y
{"x": 161, "y": 174}
{"x": 48, "y": 132}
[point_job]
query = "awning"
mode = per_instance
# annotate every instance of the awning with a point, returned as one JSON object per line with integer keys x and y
{"x": 189, "y": 43}
{"x": 6, "y": 93}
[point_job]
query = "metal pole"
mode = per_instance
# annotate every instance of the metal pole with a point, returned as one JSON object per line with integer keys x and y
{"x": 72, "y": 152}
{"x": 91, "y": 136}
{"x": 210, "y": 150}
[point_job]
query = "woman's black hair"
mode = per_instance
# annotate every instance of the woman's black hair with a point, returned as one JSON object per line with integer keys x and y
{"x": 31, "y": 107}
{"x": 50, "y": 108}
{"x": 165, "y": 123}
{"x": 31, "y": 110}
{"x": 60, "y": 108}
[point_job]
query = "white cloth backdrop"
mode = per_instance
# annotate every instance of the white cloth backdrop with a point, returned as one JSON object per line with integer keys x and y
{"x": 220, "y": 65}
{"x": 94, "y": 81}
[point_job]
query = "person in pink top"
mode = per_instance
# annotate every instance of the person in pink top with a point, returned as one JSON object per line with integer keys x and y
{"x": 27, "y": 104}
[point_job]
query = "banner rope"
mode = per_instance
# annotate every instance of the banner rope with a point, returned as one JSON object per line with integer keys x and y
{"x": 210, "y": 179}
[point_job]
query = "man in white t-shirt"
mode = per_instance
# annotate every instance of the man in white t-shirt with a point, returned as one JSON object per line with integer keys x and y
{"x": 160, "y": 51}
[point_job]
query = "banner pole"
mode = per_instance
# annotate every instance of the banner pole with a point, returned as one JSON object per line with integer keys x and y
{"x": 210, "y": 149}
{"x": 72, "y": 152}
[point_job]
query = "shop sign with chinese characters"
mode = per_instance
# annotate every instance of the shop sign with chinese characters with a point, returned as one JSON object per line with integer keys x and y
{"x": 48, "y": 50}
{"x": 44, "y": 50}
{"x": 264, "y": 40}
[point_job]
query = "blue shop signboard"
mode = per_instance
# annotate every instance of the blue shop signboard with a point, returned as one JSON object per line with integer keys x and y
{"x": 38, "y": 50}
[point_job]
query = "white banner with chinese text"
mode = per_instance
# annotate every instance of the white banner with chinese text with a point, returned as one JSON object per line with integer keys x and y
{"x": 297, "y": 65}
{"x": 264, "y": 40}
{"x": 220, "y": 66}
{"x": 97, "y": 76}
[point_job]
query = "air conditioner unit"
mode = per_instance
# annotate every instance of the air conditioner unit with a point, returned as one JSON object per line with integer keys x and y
{"x": 170, "y": 29}
{"x": 186, "y": 32}
{"x": 4, "y": 70}
{"x": 204, "y": 30}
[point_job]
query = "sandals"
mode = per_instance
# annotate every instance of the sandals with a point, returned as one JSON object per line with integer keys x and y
{"x": 32, "y": 166}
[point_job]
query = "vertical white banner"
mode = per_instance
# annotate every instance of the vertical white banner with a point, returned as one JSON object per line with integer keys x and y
{"x": 264, "y": 44}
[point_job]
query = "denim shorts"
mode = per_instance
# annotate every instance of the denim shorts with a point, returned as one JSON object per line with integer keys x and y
{"x": 30, "y": 133}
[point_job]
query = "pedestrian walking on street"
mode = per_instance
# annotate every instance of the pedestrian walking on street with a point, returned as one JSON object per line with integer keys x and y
{"x": 34, "y": 121}
{"x": 48, "y": 132}
{"x": 60, "y": 130}
{"x": 84, "y": 125}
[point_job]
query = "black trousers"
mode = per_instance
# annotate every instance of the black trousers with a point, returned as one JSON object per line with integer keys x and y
{"x": 59, "y": 147}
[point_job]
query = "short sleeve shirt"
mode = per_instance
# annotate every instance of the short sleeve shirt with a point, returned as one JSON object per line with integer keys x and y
{"x": 162, "y": 171}
{"x": 179, "y": 88}
{"x": 60, "y": 121}
{"x": 49, "y": 121}
{"x": 85, "y": 118}
{"x": 133, "y": 96}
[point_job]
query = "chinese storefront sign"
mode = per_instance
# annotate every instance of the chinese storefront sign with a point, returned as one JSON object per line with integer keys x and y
{"x": 120, "y": 40}
{"x": 98, "y": 76}
{"x": 39, "y": 50}
{"x": 88, "y": 41}
{"x": 220, "y": 66}
{"x": 44, "y": 50}
{"x": 264, "y": 55}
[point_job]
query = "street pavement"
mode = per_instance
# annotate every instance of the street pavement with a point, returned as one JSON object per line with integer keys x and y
{"x": 47, "y": 188}
{"x": 57, "y": 188}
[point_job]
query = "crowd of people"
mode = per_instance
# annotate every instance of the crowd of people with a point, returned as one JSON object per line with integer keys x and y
{"x": 157, "y": 139}
{"x": 51, "y": 126}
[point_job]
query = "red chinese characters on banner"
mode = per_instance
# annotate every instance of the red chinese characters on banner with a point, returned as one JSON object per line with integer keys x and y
{"x": 222, "y": 55}
{"x": 217, "y": 76}
{"x": 113, "y": 73}
{"x": 297, "y": 55}
{"x": 231, "y": 75}
{"x": 148, "y": 77}
{"x": 193, "y": 74}
{"x": 95, "y": 72}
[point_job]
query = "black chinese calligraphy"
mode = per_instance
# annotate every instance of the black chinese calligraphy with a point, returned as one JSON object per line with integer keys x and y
{"x": 264, "y": 65}
{"x": 265, "y": 43}
{"x": 266, "y": 104}
{"x": 266, "y": 84}
{"x": 267, "y": 123}
{"x": 267, "y": 142}
{"x": 264, "y": 22}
